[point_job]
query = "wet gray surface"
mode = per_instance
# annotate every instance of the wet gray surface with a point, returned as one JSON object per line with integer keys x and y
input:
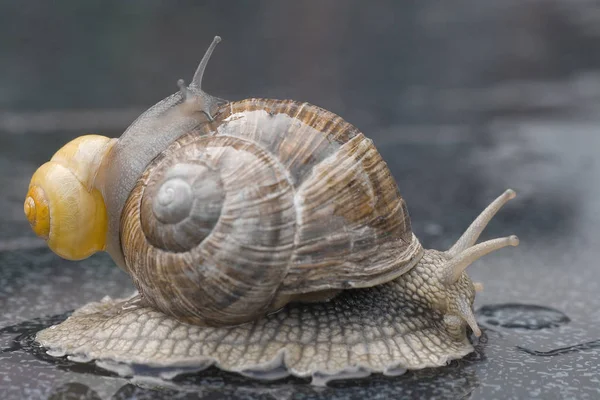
{"x": 462, "y": 100}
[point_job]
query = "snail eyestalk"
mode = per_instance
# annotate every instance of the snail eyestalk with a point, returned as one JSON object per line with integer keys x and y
{"x": 183, "y": 89}
{"x": 459, "y": 263}
{"x": 198, "y": 75}
{"x": 471, "y": 235}
{"x": 193, "y": 94}
{"x": 454, "y": 262}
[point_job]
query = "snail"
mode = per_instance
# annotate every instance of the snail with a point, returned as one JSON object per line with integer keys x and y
{"x": 266, "y": 237}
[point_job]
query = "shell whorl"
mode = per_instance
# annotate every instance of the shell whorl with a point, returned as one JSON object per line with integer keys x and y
{"x": 271, "y": 200}
{"x": 182, "y": 202}
{"x": 208, "y": 231}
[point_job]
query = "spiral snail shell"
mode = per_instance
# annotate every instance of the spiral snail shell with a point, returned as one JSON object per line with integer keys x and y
{"x": 271, "y": 223}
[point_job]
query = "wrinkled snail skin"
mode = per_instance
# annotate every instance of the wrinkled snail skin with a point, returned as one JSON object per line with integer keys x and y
{"x": 380, "y": 329}
{"x": 267, "y": 237}
{"x": 413, "y": 322}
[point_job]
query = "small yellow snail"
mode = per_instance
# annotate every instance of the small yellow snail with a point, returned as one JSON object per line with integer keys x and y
{"x": 267, "y": 237}
{"x": 62, "y": 205}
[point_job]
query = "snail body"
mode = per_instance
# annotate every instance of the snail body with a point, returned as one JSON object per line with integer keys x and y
{"x": 259, "y": 220}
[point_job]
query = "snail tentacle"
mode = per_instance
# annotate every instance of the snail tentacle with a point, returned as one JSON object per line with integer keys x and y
{"x": 471, "y": 235}
{"x": 199, "y": 74}
{"x": 454, "y": 290}
{"x": 459, "y": 263}
{"x": 478, "y": 286}
{"x": 193, "y": 94}
{"x": 465, "y": 311}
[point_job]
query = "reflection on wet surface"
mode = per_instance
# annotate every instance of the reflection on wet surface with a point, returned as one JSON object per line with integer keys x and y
{"x": 19, "y": 340}
{"x": 463, "y": 101}
{"x": 521, "y": 316}
{"x": 460, "y": 378}
{"x": 593, "y": 345}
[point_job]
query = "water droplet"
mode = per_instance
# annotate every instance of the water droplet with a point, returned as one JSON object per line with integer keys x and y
{"x": 521, "y": 316}
{"x": 57, "y": 353}
{"x": 322, "y": 379}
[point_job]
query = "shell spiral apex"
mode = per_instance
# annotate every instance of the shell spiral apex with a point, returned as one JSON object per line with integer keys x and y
{"x": 37, "y": 212}
{"x": 181, "y": 205}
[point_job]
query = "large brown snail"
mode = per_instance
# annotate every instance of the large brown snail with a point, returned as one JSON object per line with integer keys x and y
{"x": 267, "y": 237}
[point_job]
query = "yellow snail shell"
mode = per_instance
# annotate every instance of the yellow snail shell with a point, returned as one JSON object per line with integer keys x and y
{"x": 62, "y": 205}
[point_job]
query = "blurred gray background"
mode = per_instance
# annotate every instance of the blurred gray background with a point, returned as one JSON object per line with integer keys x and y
{"x": 463, "y": 98}
{"x": 469, "y": 76}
